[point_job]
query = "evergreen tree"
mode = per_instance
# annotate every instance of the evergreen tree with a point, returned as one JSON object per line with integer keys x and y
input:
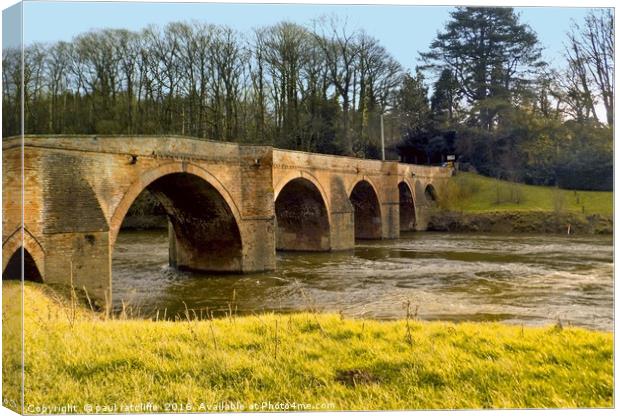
{"x": 445, "y": 99}
{"x": 414, "y": 115}
{"x": 492, "y": 56}
{"x": 412, "y": 103}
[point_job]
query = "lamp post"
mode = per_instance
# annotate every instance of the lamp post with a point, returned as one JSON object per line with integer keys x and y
{"x": 382, "y": 140}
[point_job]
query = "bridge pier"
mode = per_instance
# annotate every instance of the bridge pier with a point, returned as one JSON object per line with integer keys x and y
{"x": 390, "y": 221}
{"x": 256, "y": 206}
{"x": 82, "y": 260}
{"x": 391, "y": 201}
{"x": 342, "y": 230}
{"x": 259, "y": 247}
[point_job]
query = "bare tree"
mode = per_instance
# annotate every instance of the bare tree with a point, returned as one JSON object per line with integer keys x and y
{"x": 164, "y": 69}
{"x": 58, "y": 80}
{"x": 379, "y": 76}
{"x": 127, "y": 50}
{"x": 590, "y": 54}
{"x": 285, "y": 54}
{"x": 226, "y": 68}
{"x": 11, "y": 91}
{"x": 341, "y": 51}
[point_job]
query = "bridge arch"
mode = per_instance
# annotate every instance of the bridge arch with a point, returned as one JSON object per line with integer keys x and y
{"x": 34, "y": 257}
{"x": 430, "y": 194}
{"x": 204, "y": 232}
{"x": 366, "y": 210}
{"x": 136, "y": 188}
{"x": 406, "y": 207}
{"x": 302, "y": 216}
{"x": 285, "y": 180}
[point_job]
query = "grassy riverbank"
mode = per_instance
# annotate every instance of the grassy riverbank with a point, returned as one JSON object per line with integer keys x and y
{"x": 533, "y": 222}
{"x": 74, "y": 357}
{"x": 471, "y": 193}
{"x": 474, "y": 203}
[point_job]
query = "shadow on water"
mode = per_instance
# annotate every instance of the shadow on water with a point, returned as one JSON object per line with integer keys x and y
{"x": 533, "y": 279}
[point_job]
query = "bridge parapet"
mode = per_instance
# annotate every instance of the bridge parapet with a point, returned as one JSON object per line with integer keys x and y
{"x": 431, "y": 172}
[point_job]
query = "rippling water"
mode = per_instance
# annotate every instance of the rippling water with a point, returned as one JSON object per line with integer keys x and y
{"x": 531, "y": 279}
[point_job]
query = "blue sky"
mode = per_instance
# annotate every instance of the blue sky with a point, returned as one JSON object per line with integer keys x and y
{"x": 403, "y": 30}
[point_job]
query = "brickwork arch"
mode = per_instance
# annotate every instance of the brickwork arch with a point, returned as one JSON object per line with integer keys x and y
{"x": 406, "y": 202}
{"x": 302, "y": 217}
{"x": 430, "y": 193}
{"x": 307, "y": 176}
{"x": 33, "y": 252}
{"x": 203, "y": 222}
{"x": 152, "y": 175}
{"x": 367, "y": 210}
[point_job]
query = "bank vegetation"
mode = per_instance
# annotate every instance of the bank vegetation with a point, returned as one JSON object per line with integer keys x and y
{"x": 77, "y": 357}
{"x": 471, "y": 202}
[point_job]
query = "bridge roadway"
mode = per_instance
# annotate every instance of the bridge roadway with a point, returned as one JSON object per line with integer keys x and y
{"x": 230, "y": 206}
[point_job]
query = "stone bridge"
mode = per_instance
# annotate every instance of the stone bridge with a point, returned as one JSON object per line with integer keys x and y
{"x": 229, "y": 206}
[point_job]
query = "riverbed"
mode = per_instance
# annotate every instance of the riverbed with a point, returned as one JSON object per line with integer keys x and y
{"x": 523, "y": 279}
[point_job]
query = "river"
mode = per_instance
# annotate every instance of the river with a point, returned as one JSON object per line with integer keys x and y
{"x": 529, "y": 279}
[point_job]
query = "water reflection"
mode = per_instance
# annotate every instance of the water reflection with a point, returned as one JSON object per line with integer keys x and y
{"x": 532, "y": 279}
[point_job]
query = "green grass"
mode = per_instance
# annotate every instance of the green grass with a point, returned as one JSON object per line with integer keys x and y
{"x": 478, "y": 193}
{"x": 304, "y": 358}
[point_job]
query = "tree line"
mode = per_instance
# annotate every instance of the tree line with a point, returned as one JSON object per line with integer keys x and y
{"x": 315, "y": 89}
{"x": 493, "y": 100}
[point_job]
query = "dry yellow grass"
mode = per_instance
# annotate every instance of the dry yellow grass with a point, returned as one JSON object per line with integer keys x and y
{"x": 302, "y": 361}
